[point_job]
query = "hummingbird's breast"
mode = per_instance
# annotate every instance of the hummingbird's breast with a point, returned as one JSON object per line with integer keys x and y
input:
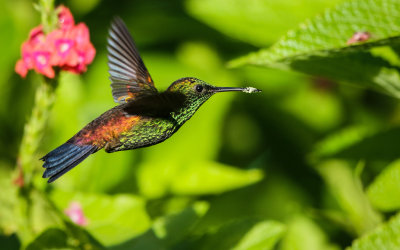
{"x": 146, "y": 132}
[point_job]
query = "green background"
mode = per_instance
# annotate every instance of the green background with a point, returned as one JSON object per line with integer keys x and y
{"x": 309, "y": 163}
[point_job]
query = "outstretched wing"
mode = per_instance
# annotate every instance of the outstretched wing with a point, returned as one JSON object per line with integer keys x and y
{"x": 128, "y": 74}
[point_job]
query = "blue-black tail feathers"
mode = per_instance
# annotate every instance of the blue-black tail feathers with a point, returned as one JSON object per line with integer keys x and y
{"x": 64, "y": 158}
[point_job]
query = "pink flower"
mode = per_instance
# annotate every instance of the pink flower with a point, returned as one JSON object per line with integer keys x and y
{"x": 64, "y": 44}
{"x": 36, "y": 36}
{"x": 21, "y": 68}
{"x": 83, "y": 48}
{"x": 36, "y": 53}
{"x": 359, "y": 37}
{"x": 68, "y": 48}
{"x": 65, "y": 18}
{"x": 75, "y": 213}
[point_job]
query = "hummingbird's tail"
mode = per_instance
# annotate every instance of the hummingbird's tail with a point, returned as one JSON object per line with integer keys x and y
{"x": 64, "y": 158}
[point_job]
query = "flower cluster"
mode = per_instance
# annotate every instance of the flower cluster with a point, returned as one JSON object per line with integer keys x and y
{"x": 67, "y": 47}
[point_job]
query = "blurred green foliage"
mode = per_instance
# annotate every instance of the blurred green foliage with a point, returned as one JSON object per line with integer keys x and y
{"x": 310, "y": 163}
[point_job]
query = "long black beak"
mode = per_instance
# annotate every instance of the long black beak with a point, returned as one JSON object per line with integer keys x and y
{"x": 226, "y": 89}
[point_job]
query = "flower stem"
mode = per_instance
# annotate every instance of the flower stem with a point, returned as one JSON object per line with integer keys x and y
{"x": 33, "y": 131}
{"x": 44, "y": 99}
{"x": 48, "y": 15}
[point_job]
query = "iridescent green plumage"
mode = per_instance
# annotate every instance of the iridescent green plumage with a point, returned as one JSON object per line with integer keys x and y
{"x": 144, "y": 117}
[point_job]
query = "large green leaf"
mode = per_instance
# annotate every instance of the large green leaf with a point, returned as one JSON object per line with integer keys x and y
{"x": 110, "y": 219}
{"x": 257, "y": 22}
{"x": 384, "y": 237}
{"x": 263, "y": 235}
{"x": 9, "y": 217}
{"x": 239, "y": 234}
{"x": 55, "y": 238}
{"x": 197, "y": 178}
{"x": 339, "y": 141}
{"x": 167, "y": 231}
{"x": 303, "y": 233}
{"x": 319, "y": 46}
{"x": 346, "y": 187}
{"x": 173, "y": 228}
{"x": 362, "y": 143}
{"x": 384, "y": 191}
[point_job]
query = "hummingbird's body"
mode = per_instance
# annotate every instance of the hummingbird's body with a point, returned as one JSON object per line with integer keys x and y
{"x": 144, "y": 117}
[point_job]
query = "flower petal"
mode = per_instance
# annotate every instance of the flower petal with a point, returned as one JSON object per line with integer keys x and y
{"x": 21, "y": 68}
{"x": 65, "y": 17}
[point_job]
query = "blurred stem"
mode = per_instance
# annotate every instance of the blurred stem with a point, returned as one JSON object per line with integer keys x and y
{"x": 48, "y": 15}
{"x": 44, "y": 99}
{"x": 34, "y": 129}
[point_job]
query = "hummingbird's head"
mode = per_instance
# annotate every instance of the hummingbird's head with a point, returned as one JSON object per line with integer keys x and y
{"x": 196, "y": 93}
{"x": 194, "y": 88}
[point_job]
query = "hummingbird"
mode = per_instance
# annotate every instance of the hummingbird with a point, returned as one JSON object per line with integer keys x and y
{"x": 144, "y": 116}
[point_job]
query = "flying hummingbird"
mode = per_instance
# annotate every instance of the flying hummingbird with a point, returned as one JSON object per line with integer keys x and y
{"x": 144, "y": 116}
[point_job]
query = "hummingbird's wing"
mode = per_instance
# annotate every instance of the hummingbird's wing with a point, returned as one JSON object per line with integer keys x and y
{"x": 128, "y": 74}
{"x": 157, "y": 105}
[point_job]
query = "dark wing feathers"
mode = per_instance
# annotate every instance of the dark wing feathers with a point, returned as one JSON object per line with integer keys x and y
{"x": 128, "y": 73}
{"x": 156, "y": 105}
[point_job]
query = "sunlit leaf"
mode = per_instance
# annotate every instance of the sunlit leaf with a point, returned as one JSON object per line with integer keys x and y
{"x": 8, "y": 202}
{"x": 239, "y": 234}
{"x": 193, "y": 178}
{"x": 173, "y": 228}
{"x": 52, "y": 238}
{"x": 384, "y": 237}
{"x": 319, "y": 46}
{"x": 257, "y": 22}
{"x": 71, "y": 238}
{"x": 303, "y": 233}
{"x": 339, "y": 141}
{"x": 347, "y": 190}
{"x": 263, "y": 235}
{"x": 110, "y": 219}
{"x": 363, "y": 143}
{"x": 385, "y": 189}
{"x": 275, "y": 197}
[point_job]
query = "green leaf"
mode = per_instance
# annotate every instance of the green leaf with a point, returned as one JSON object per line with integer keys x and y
{"x": 147, "y": 240}
{"x": 73, "y": 238}
{"x": 9, "y": 218}
{"x": 275, "y": 197}
{"x": 111, "y": 219}
{"x": 167, "y": 231}
{"x": 173, "y": 228}
{"x": 366, "y": 145}
{"x": 339, "y": 141}
{"x": 52, "y": 238}
{"x": 193, "y": 178}
{"x": 384, "y": 237}
{"x": 257, "y": 22}
{"x": 10, "y": 241}
{"x": 263, "y": 235}
{"x": 385, "y": 189}
{"x": 319, "y": 46}
{"x": 303, "y": 233}
{"x": 347, "y": 190}
{"x": 26, "y": 212}
{"x": 239, "y": 234}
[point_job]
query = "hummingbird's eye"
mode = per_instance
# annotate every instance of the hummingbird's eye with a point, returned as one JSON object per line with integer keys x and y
{"x": 199, "y": 88}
